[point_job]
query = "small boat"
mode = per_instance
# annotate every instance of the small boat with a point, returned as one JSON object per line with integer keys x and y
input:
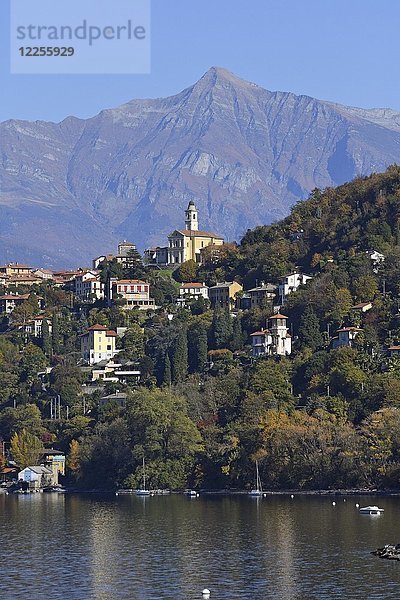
{"x": 143, "y": 491}
{"x": 371, "y": 510}
{"x": 191, "y": 493}
{"x": 257, "y": 492}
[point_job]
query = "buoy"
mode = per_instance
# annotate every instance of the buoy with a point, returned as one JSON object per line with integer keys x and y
{"x": 291, "y": 495}
{"x": 197, "y": 495}
{"x": 357, "y": 506}
{"x": 206, "y": 593}
{"x": 333, "y": 503}
{"x": 264, "y": 495}
{"x": 344, "y": 499}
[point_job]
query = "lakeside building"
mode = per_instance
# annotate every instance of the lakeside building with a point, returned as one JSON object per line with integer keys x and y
{"x": 34, "y": 327}
{"x": 37, "y": 477}
{"x": 276, "y": 340}
{"x": 88, "y": 287}
{"x": 345, "y": 337}
{"x": 290, "y": 283}
{"x": 131, "y": 293}
{"x": 116, "y": 370}
{"x": 224, "y": 294}
{"x": 97, "y": 344}
{"x": 15, "y": 269}
{"x": 126, "y": 256}
{"x": 191, "y": 291}
{"x": 262, "y": 294}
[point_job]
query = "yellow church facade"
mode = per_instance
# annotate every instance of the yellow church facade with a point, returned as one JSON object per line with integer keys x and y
{"x": 186, "y": 244}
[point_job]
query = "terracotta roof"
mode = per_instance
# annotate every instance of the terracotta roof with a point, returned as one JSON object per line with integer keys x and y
{"x": 348, "y": 329}
{"x": 14, "y": 297}
{"x": 97, "y": 327}
{"x": 191, "y": 233}
{"x": 192, "y": 285}
{"x": 15, "y": 265}
{"x": 278, "y": 316}
{"x": 260, "y": 332}
{"x": 362, "y": 304}
{"x": 130, "y": 281}
{"x": 111, "y": 333}
{"x": 394, "y": 347}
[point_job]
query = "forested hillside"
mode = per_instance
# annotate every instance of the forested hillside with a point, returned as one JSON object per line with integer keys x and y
{"x": 326, "y": 416}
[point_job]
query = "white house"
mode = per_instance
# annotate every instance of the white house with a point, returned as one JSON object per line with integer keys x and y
{"x": 290, "y": 283}
{"x": 192, "y": 291}
{"x": 276, "y": 340}
{"x": 88, "y": 287}
{"x": 35, "y": 325}
{"x": 37, "y": 477}
{"x": 345, "y": 337}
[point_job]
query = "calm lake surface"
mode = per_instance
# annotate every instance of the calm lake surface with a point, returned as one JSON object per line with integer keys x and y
{"x": 107, "y": 547}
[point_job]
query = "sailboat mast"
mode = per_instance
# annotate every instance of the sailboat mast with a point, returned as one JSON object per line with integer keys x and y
{"x": 144, "y": 476}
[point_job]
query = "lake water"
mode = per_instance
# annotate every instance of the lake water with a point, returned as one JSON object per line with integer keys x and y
{"x": 106, "y": 548}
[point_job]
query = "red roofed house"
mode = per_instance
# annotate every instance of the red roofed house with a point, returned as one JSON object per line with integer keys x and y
{"x": 34, "y": 326}
{"x": 9, "y": 301}
{"x": 98, "y": 343}
{"x": 133, "y": 293}
{"x": 273, "y": 341}
{"x": 88, "y": 287}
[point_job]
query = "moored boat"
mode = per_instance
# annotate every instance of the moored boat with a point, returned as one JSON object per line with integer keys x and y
{"x": 371, "y": 510}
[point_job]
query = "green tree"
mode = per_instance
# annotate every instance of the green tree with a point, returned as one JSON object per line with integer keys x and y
{"x": 167, "y": 371}
{"x": 180, "y": 357}
{"x": 221, "y": 329}
{"x": 55, "y": 333}
{"x": 32, "y": 361}
{"x": 237, "y": 334}
{"x": 161, "y": 431}
{"x": 46, "y": 339}
{"x": 309, "y": 330}
{"x": 186, "y": 272}
{"x": 198, "y": 347}
{"x": 26, "y": 449}
{"x": 133, "y": 342}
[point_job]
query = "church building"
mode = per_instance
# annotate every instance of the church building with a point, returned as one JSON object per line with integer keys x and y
{"x": 186, "y": 244}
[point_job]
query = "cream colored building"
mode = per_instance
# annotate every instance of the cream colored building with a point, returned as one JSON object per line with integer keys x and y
{"x": 186, "y": 244}
{"x": 224, "y": 294}
{"x": 98, "y": 343}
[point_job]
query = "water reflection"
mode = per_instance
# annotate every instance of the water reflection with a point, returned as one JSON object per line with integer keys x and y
{"x": 110, "y": 548}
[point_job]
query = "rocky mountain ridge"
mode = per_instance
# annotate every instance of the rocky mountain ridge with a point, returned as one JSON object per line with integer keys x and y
{"x": 72, "y": 190}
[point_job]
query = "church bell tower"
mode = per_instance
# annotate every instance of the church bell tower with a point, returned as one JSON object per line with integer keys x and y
{"x": 191, "y": 217}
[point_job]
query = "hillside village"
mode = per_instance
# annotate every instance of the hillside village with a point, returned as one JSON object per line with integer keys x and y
{"x": 295, "y": 332}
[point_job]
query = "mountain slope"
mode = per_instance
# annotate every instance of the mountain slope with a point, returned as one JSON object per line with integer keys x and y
{"x": 69, "y": 191}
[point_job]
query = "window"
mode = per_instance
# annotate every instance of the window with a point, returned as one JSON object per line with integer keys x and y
{"x": 108, "y": 346}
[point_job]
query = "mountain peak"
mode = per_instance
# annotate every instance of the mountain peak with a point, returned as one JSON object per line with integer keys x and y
{"x": 216, "y": 75}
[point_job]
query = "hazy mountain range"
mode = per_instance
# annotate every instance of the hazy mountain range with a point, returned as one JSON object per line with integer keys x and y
{"x": 71, "y": 190}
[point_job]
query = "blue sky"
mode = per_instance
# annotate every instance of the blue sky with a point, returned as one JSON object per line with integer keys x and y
{"x": 341, "y": 50}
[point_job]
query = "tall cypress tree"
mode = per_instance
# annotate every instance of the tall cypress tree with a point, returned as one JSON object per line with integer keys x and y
{"x": 198, "y": 347}
{"x": 46, "y": 339}
{"x": 237, "y": 335}
{"x": 309, "y": 329}
{"x": 167, "y": 370}
{"x": 55, "y": 334}
{"x": 180, "y": 357}
{"x": 222, "y": 329}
